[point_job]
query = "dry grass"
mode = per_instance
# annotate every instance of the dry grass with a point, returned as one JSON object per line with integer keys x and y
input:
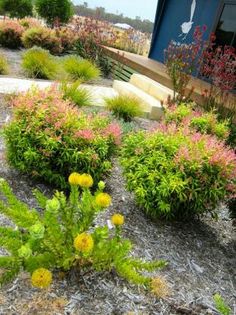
{"x": 159, "y": 287}
{"x": 41, "y": 304}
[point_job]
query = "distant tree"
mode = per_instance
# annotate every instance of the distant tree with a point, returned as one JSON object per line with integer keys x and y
{"x": 100, "y": 12}
{"x": 145, "y": 26}
{"x": 16, "y": 8}
{"x": 55, "y": 12}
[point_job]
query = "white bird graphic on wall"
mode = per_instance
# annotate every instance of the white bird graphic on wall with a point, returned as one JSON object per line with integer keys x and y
{"x": 186, "y": 26}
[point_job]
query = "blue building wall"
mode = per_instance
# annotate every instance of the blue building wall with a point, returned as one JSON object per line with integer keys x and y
{"x": 170, "y": 16}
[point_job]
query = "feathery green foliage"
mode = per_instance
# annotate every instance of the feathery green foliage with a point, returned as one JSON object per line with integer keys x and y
{"x": 59, "y": 238}
{"x": 76, "y": 94}
{"x": 124, "y": 106}
{"x": 38, "y": 63}
{"x": 221, "y": 305}
{"x": 80, "y": 69}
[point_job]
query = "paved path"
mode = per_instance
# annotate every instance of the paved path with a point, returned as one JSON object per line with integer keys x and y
{"x": 13, "y": 85}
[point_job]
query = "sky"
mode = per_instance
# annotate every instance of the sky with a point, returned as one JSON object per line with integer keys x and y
{"x": 131, "y": 8}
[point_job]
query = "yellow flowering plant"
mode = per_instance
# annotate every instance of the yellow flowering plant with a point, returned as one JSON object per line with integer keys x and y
{"x": 61, "y": 237}
{"x": 117, "y": 219}
{"x": 41, "y": 278}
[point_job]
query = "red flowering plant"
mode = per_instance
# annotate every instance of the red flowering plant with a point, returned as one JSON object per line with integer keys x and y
{"x": 92, "y": 34}
{"x": 176, "y": 172}
{"x": 68, "y": 38}
{"x": 181, "y": 62}
{"x": 48, "y": 138}
{"x": 218, "y": 65}
{"x": 214, "y": 63}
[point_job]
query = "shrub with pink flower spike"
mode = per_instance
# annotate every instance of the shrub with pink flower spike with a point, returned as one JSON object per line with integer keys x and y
{"x": 49, "y": 138}
{"x": 176, "y": 172}
{"x": 203, "y": 122}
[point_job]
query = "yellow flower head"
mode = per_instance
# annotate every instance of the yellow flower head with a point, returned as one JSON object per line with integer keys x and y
{"x": 74, "y": 179}
{"x": 84, "y": 242}
{"x": 103, "y": 200}
{"x": 117, "y": 219}
{"x": 85, "y": 180}
{"x": 41, "y": 278}
{"x": 159, "y": 287}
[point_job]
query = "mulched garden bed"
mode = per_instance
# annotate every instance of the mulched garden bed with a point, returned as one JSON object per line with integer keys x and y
{"x": 201, "y": 256}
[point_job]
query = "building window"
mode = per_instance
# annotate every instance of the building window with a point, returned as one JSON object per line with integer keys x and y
{"x": 226, "y": 28}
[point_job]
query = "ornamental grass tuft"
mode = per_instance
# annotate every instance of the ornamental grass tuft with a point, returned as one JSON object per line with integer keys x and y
{"x": 39, "y": 63}
{"x": 76, "y": 94}
{"x": 3, "y": 65}
{"x": 77, "y": 68}
{"x": 124, "y": 106}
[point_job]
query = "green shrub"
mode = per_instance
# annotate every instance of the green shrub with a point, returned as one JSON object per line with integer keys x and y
{"x": 38, "y": 63}
{"x": 80, "y": 69}
{"x": 54, "y": 12}
{"x": 204, "y": 122}
{"x": 178, "y": 113}
{"x": 124, "y": 106}
{"x": 59, "y": 238}
{"x": 49, "y": 139}
{"x": 76, "y": 94}
{"x": 3, "y": 65}
{"x": 208, "y": 123}
{"x": 17, "y": 8}
{"x": 10, "y": 34}
{"x": 42, "y": 37}
{"x": 178, "y": 173}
